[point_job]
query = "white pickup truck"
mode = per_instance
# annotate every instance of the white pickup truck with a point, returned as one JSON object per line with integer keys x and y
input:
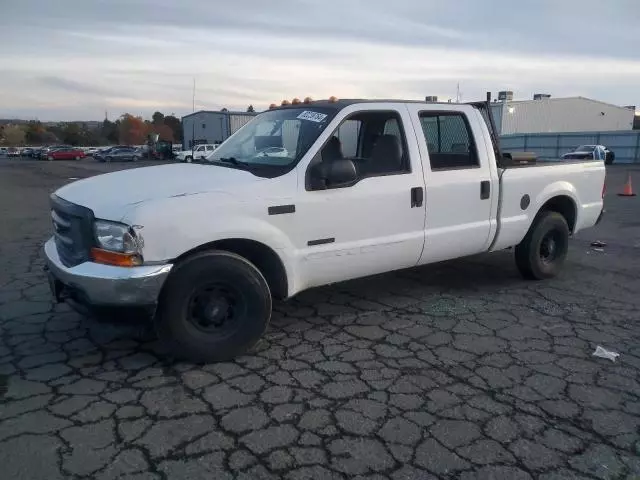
{"x": 199, "y": 152}
{"x": 365, "y": 187}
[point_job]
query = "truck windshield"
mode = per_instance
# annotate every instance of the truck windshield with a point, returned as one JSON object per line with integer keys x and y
{"x": 277, "y": 138}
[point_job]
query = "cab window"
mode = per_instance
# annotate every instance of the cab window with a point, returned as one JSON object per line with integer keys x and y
{"x": 373, "y": 140}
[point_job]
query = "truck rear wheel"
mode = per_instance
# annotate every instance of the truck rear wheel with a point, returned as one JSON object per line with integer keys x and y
{"x": 215, "y": 305}
{"x": 543, "y": 250}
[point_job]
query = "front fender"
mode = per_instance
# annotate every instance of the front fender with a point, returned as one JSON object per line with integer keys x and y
{"x": 173, "y": 227}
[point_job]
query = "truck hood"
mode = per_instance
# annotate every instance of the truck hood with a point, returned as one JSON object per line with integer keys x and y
{"x": 111, "y": 195}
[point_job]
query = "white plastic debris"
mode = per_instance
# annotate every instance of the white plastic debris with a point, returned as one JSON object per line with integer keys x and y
{"x": 604, "y": 353}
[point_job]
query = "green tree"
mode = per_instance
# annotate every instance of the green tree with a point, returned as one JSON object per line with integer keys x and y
{"x": 158, "y": 118}
{"x": 250, "y": 108}
{"x": 74, "y": 134}
{"x": 176, "y": 127}
{"x": 110, "y": 131}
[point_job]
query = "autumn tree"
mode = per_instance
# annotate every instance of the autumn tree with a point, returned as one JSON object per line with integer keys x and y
{"x": 164, "y": 132}
{"x": 132, "y": 130}
{"x": 36, "y": 133}
{"x": 13, "y": 135}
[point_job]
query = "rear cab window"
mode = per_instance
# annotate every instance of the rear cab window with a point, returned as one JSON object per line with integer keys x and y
{"x": 449, "y": 139}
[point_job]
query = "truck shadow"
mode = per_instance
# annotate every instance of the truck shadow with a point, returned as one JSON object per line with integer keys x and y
{"x": 482, "y": 274}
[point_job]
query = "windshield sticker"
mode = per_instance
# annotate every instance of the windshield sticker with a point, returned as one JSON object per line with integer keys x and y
{"x": 312, "y": 116}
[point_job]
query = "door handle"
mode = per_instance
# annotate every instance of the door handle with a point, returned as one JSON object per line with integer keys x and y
{"x": 417, "y": 197}
{"x": 485, "y": 189}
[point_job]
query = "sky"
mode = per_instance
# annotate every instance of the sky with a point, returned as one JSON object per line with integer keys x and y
{"x": 77, "y": 59}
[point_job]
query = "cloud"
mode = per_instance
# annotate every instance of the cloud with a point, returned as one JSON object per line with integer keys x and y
{"x": 134, "y": 54}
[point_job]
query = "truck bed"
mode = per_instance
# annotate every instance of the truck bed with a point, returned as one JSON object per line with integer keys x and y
{"x": 524, "y": 190}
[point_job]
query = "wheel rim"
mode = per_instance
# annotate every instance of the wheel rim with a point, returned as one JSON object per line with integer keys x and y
{"x": 550, "y": 247}
{"x": 215, "y": 309}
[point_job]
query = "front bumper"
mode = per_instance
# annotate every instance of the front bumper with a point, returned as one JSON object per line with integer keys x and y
{"x": 94, "y": 284}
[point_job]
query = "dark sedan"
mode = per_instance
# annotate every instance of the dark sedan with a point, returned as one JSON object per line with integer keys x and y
{"x": 591, "y": 152}
{"x": 127, "y": 154}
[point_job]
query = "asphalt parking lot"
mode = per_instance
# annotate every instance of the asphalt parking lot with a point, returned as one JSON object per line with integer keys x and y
{"x": 456, "y": 370}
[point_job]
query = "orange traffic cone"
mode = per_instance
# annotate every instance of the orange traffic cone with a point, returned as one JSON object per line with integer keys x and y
{"x": 627, "y": 190}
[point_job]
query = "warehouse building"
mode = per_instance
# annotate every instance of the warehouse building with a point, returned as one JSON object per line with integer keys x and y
{"x": 556, "y": 115}
{"x": 212, "y": 126}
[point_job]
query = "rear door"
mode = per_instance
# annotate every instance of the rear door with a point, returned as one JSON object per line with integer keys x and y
{"x": 461, "y": 181}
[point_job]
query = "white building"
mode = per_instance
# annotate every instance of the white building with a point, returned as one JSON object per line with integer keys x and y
{"x": 212, "y": 126}
{"x": 553, "y": 115}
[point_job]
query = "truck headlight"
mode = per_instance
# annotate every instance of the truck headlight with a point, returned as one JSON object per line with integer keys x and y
{"x": 118, "y": 244}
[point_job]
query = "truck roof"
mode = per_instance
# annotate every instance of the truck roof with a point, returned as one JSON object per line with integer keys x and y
{"x": 345, "y": 102}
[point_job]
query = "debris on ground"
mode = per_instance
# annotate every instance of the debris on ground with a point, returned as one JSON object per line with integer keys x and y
{"x": 604, "y": 353}
{"x": 598, "y": 244}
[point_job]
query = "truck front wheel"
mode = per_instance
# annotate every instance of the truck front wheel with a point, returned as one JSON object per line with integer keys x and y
{"x": 214, "y": 306}
{"x": 543, "y": 250}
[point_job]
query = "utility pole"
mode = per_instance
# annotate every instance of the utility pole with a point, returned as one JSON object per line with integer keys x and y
{"x": 458, "y": 94}
{"x": 193, "y": 120}
{"x": 193, "y": 100}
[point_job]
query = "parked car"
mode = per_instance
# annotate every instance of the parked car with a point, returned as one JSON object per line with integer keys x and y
{"x": 43, "y": 154}
{"x": 104, "y": 151}
{"x": 26, "y": 152}
{"x": 206, "y": 247}
{"x": 13, "y": 152}
{"x": 72, "y": 153}
{"x": 590, "y": 152}
{"x": 199, "y": 152}
{"x": 126, "y": 154}
{"x": 90, "y": 151}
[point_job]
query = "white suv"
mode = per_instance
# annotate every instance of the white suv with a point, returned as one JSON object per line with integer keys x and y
{"x": 199, "y": 152}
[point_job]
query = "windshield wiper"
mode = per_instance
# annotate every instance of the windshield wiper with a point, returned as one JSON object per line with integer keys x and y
{"x": 233, "y": 161}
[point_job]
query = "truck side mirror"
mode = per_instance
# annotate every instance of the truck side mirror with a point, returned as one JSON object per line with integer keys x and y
{"x": 338, "y": 173}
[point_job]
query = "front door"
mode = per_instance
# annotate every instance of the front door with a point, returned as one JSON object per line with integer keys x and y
{"x": 375, "y": 224}
{"x": 461, "y": 186}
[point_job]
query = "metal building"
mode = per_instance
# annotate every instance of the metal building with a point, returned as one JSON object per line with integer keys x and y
{"x": 212, "y": 126}
{"x": 554, "y": 115}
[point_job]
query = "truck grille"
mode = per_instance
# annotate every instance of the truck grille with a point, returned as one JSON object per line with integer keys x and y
{"x": 71, "y": 231}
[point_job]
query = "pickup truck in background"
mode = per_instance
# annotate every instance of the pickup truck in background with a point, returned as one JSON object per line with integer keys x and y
{"x": 364, "y": 187}
{"x": 199, "y": 152}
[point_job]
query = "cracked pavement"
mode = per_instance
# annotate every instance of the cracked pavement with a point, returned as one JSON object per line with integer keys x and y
{"x": 455, "y": 370}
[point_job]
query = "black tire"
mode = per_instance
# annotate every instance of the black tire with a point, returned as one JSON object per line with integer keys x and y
{"x": 542, "y": 252}
{"x": 108, "y": 159}
{"x": 77, "y": 157}
{"x": 188, "y": 159}
{"x": 214, "y": 306}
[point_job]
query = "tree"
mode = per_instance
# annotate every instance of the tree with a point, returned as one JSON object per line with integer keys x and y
{"x": 132, "y": 130}
{"x": 109, "y": 131}
{"x": 73, "y": 134}
{"x": 158, "y": 118}
{"x": 175, "y": 125}
{"x": 164, "y": 132}
{"x": 224, "y": 109}
{"x": 250, "y": 108}
{"x": 13, "y": 135}
{"x": 36, "y": 133}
